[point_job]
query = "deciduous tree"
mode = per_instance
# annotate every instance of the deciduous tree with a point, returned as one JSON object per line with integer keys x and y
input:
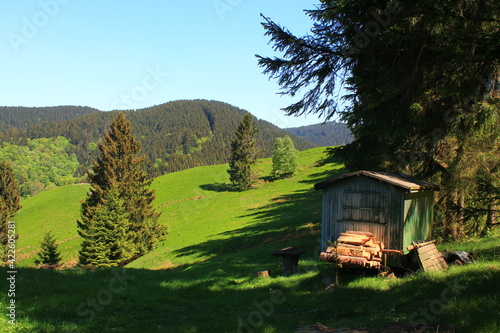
{"x": 285, "y": 158}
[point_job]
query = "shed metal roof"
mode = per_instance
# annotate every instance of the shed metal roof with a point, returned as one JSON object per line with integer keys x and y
{"x": 401, "y": 180}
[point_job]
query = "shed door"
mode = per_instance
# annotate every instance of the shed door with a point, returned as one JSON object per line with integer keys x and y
{"x": 362, "y": 207}
{"x": 362, "y": 211}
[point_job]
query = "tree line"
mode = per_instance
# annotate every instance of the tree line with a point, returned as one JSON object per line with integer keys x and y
{"x": 324, "y": 135}
{"x": 173, "y": 136}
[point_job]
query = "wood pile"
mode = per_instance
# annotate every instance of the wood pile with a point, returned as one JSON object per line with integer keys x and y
{"x": 356, "y": 248}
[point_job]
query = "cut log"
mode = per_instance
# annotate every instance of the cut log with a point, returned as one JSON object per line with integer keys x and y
{"x": 262, "y": 274}
{"x": 348, "y": 260}
{"x": 327, "y": 256}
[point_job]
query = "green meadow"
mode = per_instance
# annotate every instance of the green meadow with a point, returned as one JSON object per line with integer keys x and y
{"x": 201, "y": 278}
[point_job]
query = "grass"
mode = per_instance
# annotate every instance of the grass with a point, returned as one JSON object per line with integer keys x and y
{"x": 201, "y": 279}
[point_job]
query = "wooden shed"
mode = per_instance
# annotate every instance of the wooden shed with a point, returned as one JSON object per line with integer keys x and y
{"x": 397, "y": 208}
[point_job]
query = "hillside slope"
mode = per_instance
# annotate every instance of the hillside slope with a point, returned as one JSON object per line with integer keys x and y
{"x": 174, "y": 136}
{"x": 324, "y": 135}
{"x": 201, "y": 279}
{"x": 23, "y": 117}
{"x": 204, "y": 219}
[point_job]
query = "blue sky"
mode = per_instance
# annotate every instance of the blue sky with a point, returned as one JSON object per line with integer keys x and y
{"x": 127, "y": 54}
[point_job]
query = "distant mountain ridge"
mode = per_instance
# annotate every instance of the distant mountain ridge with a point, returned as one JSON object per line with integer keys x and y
{"x": 174, "y": 136}
{"x": 324, "y": 135}
{"x": 22, "y": 117}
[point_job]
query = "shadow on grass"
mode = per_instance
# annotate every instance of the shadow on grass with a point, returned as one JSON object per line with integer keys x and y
{"x": 291, "y": 219}
{"x": 325, "y": 175}
{"x": 217, "y": 187}
{"x": 284, "y": 220}
{"x": 214, "y": 296}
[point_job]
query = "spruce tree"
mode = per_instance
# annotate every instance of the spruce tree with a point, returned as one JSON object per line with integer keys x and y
{"x": 107, "y": 241}
{"x": 48, "y": 255}
{"x": 243, "y": 154}
{"x": 9, "y": 198}
{"x": 285, "y": 158}
{"x": 118, "y": 179}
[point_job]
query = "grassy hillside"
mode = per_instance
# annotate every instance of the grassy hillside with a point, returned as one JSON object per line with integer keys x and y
{"x": 201, "y": 279}
{"x": 202, "y": 216}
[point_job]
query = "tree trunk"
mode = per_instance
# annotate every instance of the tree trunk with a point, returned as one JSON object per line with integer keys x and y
{"x": 461, "y": 216}
{"x": 491, "y": 219}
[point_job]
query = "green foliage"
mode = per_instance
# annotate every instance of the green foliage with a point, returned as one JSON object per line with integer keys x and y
{"x": 243, "y": 154}
{"x": 107, "y": 241}
{"x": 284, "y": 158}
{"x": 49, "y": 254}
{"x": 118, "y": 180}
{"x": 42, "y": 163}
{"x": 472, "y": 153}
{"x": 9, "y": 199}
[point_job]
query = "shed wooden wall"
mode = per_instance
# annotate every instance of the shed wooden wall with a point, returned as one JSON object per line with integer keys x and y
{"x": 418, "y": 217}
{"x": 386, "y": 221}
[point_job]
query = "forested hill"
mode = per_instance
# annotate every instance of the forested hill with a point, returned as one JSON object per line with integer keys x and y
{"x": 22, "y": 117}
{"x": 324, "y": 135}
{"x": 174, "y": 136}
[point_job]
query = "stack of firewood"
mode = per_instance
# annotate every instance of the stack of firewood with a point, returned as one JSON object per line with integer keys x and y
{"x": 356, "y": 248}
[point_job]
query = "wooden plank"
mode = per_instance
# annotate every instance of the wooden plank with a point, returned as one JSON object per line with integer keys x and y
{"x": 425, "y": 249}
{"x": 352, "y": 240}
{"x": 430, "y": 258}
{"x": 366, "y": 233}
{"x": 354, "y": 235}
{"x": 418, "y": 245}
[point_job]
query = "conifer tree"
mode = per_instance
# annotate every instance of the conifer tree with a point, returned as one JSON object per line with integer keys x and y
{"x": 243, "y": 154}
{"x": 107, "y": 241}
{"x": 48, "y": 255}
{"x": 285, "y": 158}
{"x": 9, "y": 198}
{"x": 119, "y": 183}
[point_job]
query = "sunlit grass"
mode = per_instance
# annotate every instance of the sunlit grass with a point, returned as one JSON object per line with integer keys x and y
{"x": 202, "y": 278}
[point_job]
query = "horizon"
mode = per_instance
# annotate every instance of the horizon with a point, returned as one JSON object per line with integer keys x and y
{"x": 147, "y": 107}
{"x": 127, "y": 55}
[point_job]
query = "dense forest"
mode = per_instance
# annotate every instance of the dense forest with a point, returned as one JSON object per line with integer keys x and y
{"x": 174, "y": 136}
{"x": 22, "y": 117}
{"x": 324, "y": 135}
